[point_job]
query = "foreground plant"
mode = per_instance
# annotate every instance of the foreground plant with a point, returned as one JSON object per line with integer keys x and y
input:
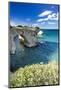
{"x": 35, "y": 75}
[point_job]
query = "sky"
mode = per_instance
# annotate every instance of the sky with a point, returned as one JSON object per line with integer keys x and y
{"x": 46, "y": 16}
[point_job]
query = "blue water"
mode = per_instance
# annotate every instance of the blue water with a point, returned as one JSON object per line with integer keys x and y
{"x": 46, "y": 51}
{"x": 50, "y": 35}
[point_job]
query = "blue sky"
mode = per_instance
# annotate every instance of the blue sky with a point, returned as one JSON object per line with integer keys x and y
{"x": 43, "y": 15}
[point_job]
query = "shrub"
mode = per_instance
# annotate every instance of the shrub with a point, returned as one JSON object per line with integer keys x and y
{"x": 34, "y": 75}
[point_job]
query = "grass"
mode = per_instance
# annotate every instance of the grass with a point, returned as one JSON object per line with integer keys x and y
{"x": 35, "y": 75}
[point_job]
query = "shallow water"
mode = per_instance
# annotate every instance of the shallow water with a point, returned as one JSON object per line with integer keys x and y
{"x": 43, "y": 53}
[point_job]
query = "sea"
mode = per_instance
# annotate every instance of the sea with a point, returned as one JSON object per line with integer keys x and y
{"x": 46, "y": 51}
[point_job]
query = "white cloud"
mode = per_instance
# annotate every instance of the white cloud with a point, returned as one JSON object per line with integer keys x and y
{"x": 53, "y": 16}
{"x": 42, "y": 23}
{"x": 40, "y": 20}
{"x": 43, "y": 19}
{"x": 47, "y": 12}
{"x": 51, "y": 23}
{"x": 35, "y": 24}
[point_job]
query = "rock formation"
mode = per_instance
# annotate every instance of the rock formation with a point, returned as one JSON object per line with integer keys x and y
{"x": 25, "y": 34}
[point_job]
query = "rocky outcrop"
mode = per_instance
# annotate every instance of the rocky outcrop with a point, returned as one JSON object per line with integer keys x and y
{"x": 25, "y": 34}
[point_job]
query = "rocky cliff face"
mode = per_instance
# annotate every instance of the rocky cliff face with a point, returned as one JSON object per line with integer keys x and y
{"x": 28, "y": 36}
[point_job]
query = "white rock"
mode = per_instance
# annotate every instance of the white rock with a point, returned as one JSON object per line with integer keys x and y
{"x": 40, "y": 32}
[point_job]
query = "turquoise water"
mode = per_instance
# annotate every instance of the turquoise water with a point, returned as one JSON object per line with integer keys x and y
{"x": 50, "y": 35}
{"x": 46, "y": 51}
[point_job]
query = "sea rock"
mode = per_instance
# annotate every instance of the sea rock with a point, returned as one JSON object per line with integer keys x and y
{"x": 25, "y": 34}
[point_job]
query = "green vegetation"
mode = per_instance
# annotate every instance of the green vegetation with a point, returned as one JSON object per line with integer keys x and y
{"x": 19, "y": 26}
{"x": 36, "y": 74}
{"x": 37, "y": 28}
